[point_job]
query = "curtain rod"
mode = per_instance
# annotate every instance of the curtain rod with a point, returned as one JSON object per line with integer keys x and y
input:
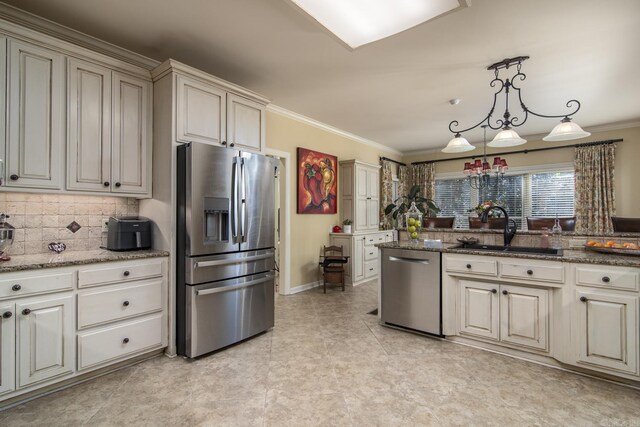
{"x": 586, "y": 144}
{"x": 393, "y": 161}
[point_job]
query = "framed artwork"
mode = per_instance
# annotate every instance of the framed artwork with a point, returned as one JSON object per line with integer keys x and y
{"x": 317, "y": 182}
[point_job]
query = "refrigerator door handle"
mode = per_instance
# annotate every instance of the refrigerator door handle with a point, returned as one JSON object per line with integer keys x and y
{"x": 234, "y": 287}
{"x": 234, "y": 201}
{"x": 202, "y": 264}
{"x": 244, "y": 211}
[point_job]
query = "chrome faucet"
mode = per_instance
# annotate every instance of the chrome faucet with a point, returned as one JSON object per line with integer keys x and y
{"x": 510, "y": 227}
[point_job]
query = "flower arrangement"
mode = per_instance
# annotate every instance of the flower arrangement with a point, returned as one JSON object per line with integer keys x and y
{"x": 484, "y": 206}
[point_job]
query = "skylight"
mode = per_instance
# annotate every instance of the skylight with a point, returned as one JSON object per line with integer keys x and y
{"x": 359, "y": 22}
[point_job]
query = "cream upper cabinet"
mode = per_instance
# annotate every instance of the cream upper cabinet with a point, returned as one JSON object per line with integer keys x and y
{"x": 131, "y": 140}
{"x": 201, "y": 112}
{"x": 360, "y": 194}
{"x": 7, "y": 347}
{"x": 479, "y": 309}
{"x": 524, "y": 316}
{"x": 3, "y": 105}
{"x": 89, "y": 132}
{"x": 34, "y": 152}
{"x": 607, "y": 331}
{"x": 245, "y": 123}
{"x": 45, "y": 338}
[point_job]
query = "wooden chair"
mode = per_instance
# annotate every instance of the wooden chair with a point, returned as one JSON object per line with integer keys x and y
{"x": 333, "y": 266}
{"x": 567, "y": 223}
{"x": 439, "y": 222}
{"x": 493, "y": 224}
{"x": 629, "y": 225}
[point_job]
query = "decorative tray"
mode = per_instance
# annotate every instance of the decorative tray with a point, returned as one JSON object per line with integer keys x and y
{"x": 615, "y": 251}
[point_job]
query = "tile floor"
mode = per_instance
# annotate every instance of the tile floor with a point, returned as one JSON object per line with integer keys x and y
{"x": 327, "y": 362}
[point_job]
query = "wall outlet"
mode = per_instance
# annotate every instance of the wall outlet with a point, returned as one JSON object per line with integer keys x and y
{"x": 105, "y": 224}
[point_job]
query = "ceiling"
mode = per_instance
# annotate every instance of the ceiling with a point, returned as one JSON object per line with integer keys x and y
{"x": 394, "y": 91}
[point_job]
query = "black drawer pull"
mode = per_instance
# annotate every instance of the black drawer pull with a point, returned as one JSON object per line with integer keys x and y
{"x": 529, "y": 272}
{"x": 505, "y": 292}
{"x": 126, "y": 303}
{"x": 224, "y": 143}
{"x": 26, "y": 311}
{"x": 14, "y": 177}
{"x": 118, "y": 184}
{"x": 126, "y": 273}
{"x": 494, "y": 291}
{"x": 469, "y": 266}
{"x": 126, "y": 340}
{"x": 606, "y": 279}
{"x": 16, "y": 287}
{"x": 232, "y": 144}
{"x": 7, "y": 314}
{"x": 583, "y": 299}
{"x": 106, "y": 183}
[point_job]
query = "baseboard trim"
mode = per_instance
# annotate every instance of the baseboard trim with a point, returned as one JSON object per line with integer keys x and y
{"x": 304, "y": 287}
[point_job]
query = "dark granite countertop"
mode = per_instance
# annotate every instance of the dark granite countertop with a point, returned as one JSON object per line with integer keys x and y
{"x": 65, "y": 259}
{"x": 527, "y": 232}
{"x": 577, "y": 256}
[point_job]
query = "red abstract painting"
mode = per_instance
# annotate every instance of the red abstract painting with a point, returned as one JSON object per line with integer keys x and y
{"x": 317, "y": 182}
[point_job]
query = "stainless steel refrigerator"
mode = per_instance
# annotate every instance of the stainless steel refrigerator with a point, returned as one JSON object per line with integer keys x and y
{"x": 225, "y": 253}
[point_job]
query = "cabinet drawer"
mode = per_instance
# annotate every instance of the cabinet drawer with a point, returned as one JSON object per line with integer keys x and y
{"x": 22, "y": 284}
{"x": 109, "y": 344}
{"x": 118, "y": 302}
{"x": 545, "y": 273}
{"x": 474, "y": 266}
{"x": 370, "y": 269}
{"x": 608, "y": 277}
{"x": 118, "y": 272}
{"x": 370, "y": 253}
{"x": 374, "y": 239}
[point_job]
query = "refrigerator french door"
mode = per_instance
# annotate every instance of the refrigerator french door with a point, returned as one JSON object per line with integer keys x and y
{"x": 225, "y": 248}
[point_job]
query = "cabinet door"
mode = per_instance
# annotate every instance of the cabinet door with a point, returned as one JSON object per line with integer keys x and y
{"x": 373, "y": 202}
{"x": 358, "y": 258}
{"x": 131, "y": 146}
{"x": 524, "y": 316}
{"x": 608, "y": 331}
{"x": 36, "y": 119}
{"x": 89, "y": 129}
{"x": 3, "y": 105}
{"x": 245, "y": 123}
{"x": 361, "y": 220}
{"x": 479, "y": 309}
{"x": 45, "y": 335}
{"x": 373, "y": 184}
{"x": 201, "y": 112}
{"x": 7, "y": 348}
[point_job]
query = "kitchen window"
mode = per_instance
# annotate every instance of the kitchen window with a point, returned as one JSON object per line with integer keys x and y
{"x": 539, "y": 192}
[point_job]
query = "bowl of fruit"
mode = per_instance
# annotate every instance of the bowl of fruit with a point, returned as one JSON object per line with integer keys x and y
{"x": 613, "y": 247}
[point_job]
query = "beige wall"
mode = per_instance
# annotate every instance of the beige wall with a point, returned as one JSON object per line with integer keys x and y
{"x": 310, "y": 232}
{"x": 627, "y": 160}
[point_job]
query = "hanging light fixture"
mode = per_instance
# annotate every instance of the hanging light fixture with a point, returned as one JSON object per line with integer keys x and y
{"x": 508, "y": 137}
{"x": 479, "y": 172}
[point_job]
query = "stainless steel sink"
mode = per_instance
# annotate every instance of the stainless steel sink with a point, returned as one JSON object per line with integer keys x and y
{"x": 515, "y": 249}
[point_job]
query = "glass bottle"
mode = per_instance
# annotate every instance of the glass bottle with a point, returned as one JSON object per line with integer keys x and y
{"x": 544, "y": 238}
{"x": 556, "y": 231}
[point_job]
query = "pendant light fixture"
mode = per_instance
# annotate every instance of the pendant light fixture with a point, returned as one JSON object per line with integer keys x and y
{"x": 479, "y": 171}
{"x": 508, "y": 137}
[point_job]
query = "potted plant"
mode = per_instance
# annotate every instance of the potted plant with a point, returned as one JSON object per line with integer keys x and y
{"x": 486, "y": 205}
{"x": 401, "y": 205}
{"x": 347, "y": 225}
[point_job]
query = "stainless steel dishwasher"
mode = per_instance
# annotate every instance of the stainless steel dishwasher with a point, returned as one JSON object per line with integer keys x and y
{"x": 411, "y": 291}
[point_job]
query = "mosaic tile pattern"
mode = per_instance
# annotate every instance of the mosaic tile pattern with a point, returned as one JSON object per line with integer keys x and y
{"x": 327, "y": 363}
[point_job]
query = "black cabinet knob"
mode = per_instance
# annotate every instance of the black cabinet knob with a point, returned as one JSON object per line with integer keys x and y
{"x": 469, "y": 266}
{"x": 7, "y": 314}
{"x": 126, "y": 303}
{"x": 106, "y": 183}
{"x": 232, "y": 144}
{"x": 14, "y": 177}
{"x": 505, "y": 292}
{"x": 126, "y": 273}
{"x": 606, "y": 279}
{"x": 26, "y": 311}
{"x": 16, "y": 287}
{"x": 494, "y": 291}
{"x": 224, "y": 143}
{"x": 118, "y": 184}
{"x": 583, "y": 299}
{"x": 126, "y": 340}
{"x": 529, "y": 272}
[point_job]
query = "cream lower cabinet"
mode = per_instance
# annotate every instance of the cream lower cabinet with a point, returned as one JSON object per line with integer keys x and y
{"x": 362, "y": 253}
{"x": 7, "y": 347}
{"x": 510, "y": 314}
{"x": 607, "y": 329}
{"x": 45, "y": 329}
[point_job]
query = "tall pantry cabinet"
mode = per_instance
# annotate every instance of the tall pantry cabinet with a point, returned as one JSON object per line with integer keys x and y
{"x": 360, "y": 202}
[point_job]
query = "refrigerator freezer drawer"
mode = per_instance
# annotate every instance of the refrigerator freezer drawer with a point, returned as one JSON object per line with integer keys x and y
{"x": 220, "y": 314}
{"x": 207, "y": 269}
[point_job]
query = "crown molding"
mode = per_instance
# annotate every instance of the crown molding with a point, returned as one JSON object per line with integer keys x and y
{"x": 33, "y": 22}
{"x": 312, "y": 122}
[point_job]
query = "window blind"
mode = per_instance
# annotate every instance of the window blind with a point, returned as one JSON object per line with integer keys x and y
{"x": 551, "y": 194}
{"x": 453, "y": 197}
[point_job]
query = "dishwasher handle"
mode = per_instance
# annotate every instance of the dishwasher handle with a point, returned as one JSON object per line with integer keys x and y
{"x": 409, "y": 260}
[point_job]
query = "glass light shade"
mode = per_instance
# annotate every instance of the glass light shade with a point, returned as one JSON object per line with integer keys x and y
{"x": 507, "y": 137}
{"x": 467, "y": 168}
{"x": 503, "y": 165}
{"x": 566, "y": 130}
{"x": 458, "y": 145}
{"x": 485, "y": 167}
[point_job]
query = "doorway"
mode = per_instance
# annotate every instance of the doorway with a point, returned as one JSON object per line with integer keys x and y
{"x": 282, "y": 224}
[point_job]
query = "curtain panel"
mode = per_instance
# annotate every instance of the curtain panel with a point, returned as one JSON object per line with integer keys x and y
{"x": 595, "y": 199}
{"x": 424, "y": 175}
{"x": 386, "y": 191}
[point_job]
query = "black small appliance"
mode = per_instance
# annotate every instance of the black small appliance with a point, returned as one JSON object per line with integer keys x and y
{"x": 129, "y": 233}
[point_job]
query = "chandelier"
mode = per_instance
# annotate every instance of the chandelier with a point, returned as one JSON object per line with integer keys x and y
{"x": 508, "y": 137}
{"x": 479, "y": 172}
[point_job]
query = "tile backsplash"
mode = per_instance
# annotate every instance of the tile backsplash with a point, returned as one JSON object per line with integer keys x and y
{"x": 40, "y": 219}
